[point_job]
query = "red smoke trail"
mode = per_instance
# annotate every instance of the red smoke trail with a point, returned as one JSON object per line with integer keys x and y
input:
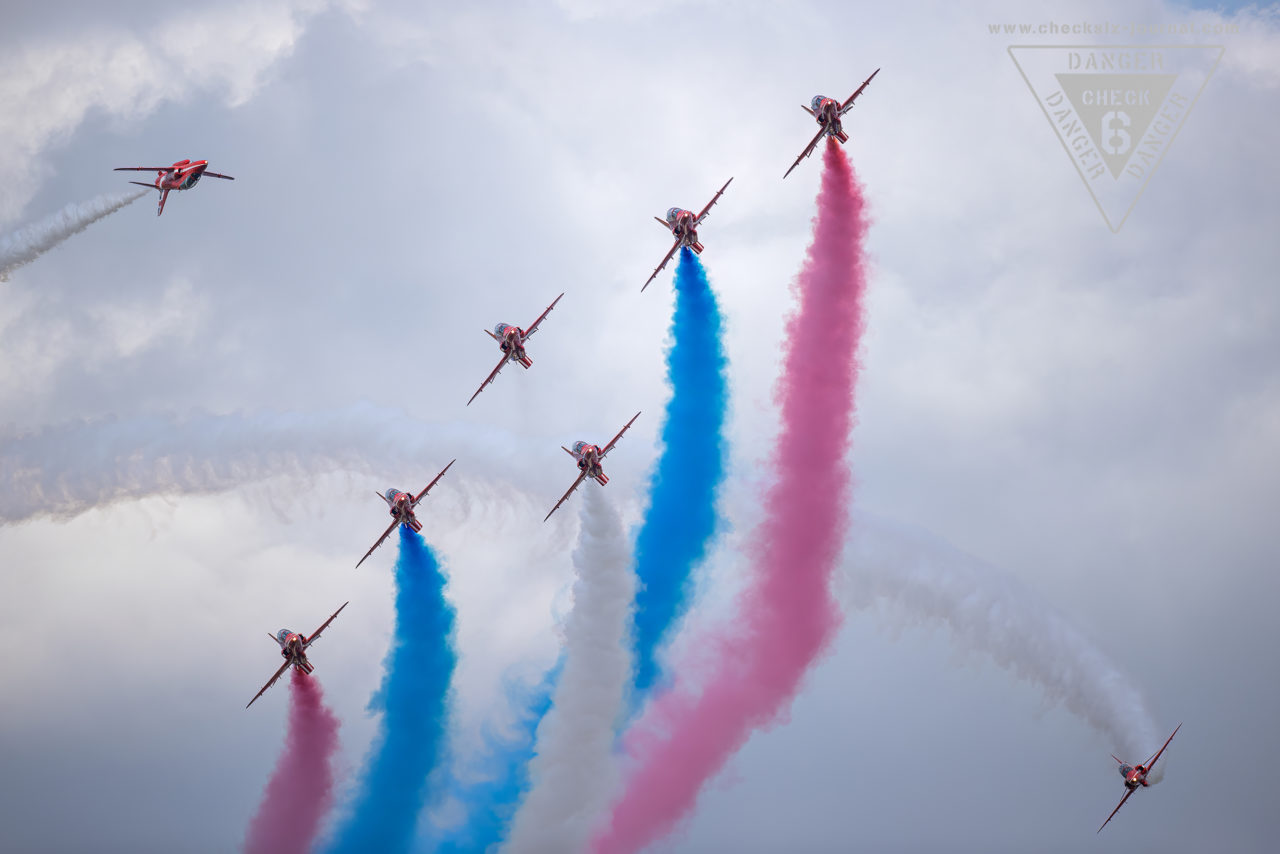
{"x": 787, "y": 614}
{"x": 300, "y": 791}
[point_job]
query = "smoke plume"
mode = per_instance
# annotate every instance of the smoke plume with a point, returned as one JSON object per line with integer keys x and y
{"x": 573, "y": 770}
{"x": 787, "y": 615}
{"x": 300, "y": 790}
{"x": 31, "y": 241}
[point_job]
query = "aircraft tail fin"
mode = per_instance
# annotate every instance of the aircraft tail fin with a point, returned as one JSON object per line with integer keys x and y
{"x": 164, "y": 197}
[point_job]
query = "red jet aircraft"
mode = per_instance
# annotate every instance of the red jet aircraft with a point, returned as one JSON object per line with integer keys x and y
{"x": 293, "y": 647}
{"x": 182, "y": 175}
{"x": 589, "y": 458}
{"x": 402, "y": 504}
{"x": 511, "y": 340}
{"x": 684, "y": 225}
{"x": 1135, "y": 776}
{"x": 827, "y": 112}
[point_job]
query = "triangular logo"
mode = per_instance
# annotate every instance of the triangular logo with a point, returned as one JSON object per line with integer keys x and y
{"x": 1116, "y": 109}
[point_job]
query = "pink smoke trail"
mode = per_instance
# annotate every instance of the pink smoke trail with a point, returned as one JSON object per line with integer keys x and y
{"x": 300, "y": 791}
{"x": 787, "y": 613}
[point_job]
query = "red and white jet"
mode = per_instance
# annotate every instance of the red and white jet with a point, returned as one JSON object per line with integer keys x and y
{"x": 511, "y": 341}
{"x": 293, "y": 647}
{"x": 589, "y": 458}
{"x": 402, "y": 504}
{"x": 182, "y": 175}
{"x": 827, "y": 113}
{"x": 1135, "y": 776}
{"x": 684, "y": 225}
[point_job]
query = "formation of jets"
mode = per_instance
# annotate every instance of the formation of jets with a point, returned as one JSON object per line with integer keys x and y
{"x": 511, "y": 340}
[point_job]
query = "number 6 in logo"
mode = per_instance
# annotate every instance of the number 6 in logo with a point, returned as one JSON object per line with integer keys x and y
{"x": 1115, "y": 139}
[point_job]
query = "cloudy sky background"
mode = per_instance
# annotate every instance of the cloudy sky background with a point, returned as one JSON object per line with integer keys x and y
{"x": 1095, "y": 415}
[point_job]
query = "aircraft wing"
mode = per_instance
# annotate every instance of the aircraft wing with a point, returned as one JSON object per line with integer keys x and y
{"x": 209, "y": 174}
{"x": 143, "y": 169}
{"x": 421, "y": 494}
{"x": 489, "y": 378}
{"x": 808, "y": 149}
{"x": 565, "y": 497}
{"x": 380, "y": 541}
{"x": 1117, "y": 809}
{"x": 325, "y": 625}
{"x": 720, "y": 192}
{"x": 270, "y": 682}
{"x": 809, "y": 111}
{"x": 847, "y": 105}
{"x": 1152, "y": 760}
{"x": 658, "y": 270}
{"x": 607, "y": 448}
{"x": 534, "y": 326}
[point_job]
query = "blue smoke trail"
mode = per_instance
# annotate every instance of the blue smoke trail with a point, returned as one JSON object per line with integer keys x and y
{"x": 682, "y": 492}
{"x": 415, "y": 686}
{"x": 504, "y": 770}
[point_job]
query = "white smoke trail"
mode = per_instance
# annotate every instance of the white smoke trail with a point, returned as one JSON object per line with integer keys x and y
{"x": 922, "y": 580}
{"x": 66, "y": 469}
{"x": 573, "y": 774}
{"x": 31, "y": 241}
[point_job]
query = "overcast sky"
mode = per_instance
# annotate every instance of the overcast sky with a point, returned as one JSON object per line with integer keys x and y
{"x": 1093, "y": 414}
